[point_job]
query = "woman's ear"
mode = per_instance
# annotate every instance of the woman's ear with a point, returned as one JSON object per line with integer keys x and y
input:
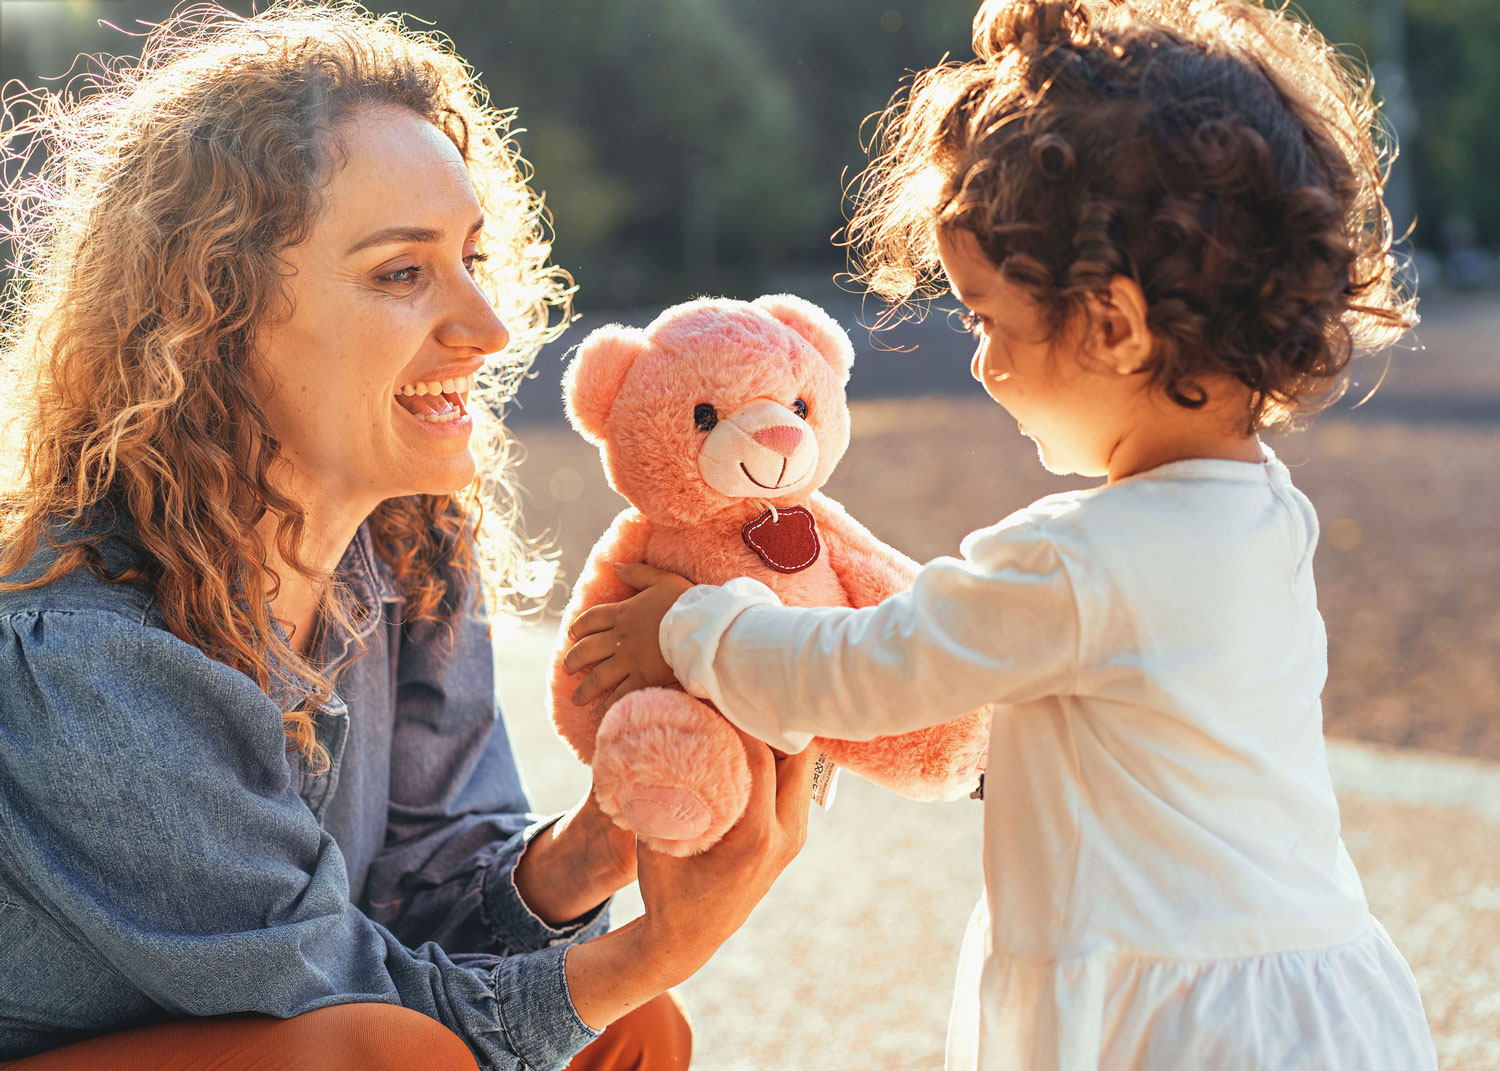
{"x": 1123, "y": 339}
{"x": 594, "y": 376}
{"x": 815, "y": 325}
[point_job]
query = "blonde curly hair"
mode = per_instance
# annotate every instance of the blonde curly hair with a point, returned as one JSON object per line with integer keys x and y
{"x": 146, "y": 258}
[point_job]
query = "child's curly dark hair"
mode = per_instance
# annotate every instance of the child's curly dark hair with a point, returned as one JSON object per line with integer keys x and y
{"x": 1220, "y": 154}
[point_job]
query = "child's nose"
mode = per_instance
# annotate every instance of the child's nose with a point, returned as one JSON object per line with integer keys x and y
{"x": 783, "y": 438}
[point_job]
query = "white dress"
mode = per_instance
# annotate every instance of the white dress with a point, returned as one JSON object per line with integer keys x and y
{"x": 1166, "y": 887}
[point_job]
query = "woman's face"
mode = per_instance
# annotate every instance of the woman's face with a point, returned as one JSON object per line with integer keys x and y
{"x": 365, "y": 382}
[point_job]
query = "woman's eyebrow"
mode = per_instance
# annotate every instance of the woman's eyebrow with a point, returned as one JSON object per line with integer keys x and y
{"x": 392, "y": 235}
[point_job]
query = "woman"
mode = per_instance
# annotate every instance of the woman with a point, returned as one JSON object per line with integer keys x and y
{"x": 257, "y": 801}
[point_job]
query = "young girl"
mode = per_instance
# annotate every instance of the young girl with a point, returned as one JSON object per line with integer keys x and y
{"x": 1164, "y": 222}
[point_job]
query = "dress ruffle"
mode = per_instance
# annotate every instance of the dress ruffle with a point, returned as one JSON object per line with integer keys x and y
{"x": 1349, "y": 1007}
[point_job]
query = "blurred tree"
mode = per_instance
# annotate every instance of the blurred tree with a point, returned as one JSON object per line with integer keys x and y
{"x": 697, "y": 140}
{"x": 689, "y": 146}
{"x": 1452, "y": 61}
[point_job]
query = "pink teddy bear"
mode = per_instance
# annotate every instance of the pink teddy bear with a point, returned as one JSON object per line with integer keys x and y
{"x": 719, "y": 422}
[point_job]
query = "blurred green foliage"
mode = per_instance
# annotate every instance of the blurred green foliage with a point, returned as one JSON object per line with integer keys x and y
{"x": 705, "y": 145}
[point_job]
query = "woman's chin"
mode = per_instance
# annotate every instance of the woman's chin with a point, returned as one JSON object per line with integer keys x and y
{"x": 432, "y": 476}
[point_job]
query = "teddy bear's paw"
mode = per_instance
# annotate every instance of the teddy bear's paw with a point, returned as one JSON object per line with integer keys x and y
{"x": 670, "y": 769}
{"x": 663, "y": 812}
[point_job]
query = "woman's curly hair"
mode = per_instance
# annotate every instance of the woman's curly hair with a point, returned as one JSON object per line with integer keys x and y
{"x": 1219, "y": 153}
{"x": 148, "y": 250}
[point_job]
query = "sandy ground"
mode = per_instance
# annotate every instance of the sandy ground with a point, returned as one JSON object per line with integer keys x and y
{"x": 848, "y": 963}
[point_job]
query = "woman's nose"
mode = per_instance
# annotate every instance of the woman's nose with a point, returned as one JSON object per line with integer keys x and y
{"x": 472, "y": 322}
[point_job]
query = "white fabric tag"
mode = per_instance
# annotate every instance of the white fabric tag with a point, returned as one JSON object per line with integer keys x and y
{"x": 824, "y": 775}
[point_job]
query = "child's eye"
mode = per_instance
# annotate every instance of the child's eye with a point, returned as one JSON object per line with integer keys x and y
{"x": 973, "y": 322}
{"x": 800, "y": 408}
{"x": 705, "y": 416}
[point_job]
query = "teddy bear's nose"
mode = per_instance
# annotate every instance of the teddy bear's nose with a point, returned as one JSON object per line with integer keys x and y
{"x": 783, "y": 438}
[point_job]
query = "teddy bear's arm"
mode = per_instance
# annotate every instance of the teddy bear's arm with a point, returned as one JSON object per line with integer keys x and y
{"x": 624, "y": 541}
{"x": 939, "y": 762}
{"x": 868, "y": 569}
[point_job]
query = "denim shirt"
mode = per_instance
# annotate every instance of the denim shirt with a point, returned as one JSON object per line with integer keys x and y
{"x": 163, "y": 856}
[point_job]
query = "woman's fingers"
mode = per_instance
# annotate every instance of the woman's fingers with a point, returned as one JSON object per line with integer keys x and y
{"x": 794, "y": 795}
{"x": 762, "y": 774}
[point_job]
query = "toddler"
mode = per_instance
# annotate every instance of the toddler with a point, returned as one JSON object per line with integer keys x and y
{"x": 1163, "y": 221}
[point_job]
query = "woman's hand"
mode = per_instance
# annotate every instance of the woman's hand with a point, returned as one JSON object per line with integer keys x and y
{"x": 621, "y": 639}
{"x": 694, "y": 904}
{"x": 576, "y": 864}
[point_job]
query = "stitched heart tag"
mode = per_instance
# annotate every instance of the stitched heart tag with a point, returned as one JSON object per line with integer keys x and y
{"x": 785, "y": 539}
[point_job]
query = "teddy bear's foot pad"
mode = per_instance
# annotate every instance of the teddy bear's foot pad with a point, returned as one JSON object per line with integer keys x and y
{"x": 663, "y": 812}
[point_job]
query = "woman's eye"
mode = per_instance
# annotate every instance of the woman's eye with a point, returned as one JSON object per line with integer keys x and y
{"x": 800, "y": 408}
{"x": 705, "y": 416}
{"x": 402, "y": 276}
{"x": 473, "y": 260}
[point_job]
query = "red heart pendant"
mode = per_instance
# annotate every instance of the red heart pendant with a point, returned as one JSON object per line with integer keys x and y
{"x": 785, "y": 539}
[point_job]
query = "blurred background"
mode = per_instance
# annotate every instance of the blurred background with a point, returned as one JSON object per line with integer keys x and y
{"x": 693, "y": 147}
{"x": 701, "y": 145}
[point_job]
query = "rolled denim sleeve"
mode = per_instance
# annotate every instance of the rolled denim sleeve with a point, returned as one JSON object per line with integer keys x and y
{"x": 151, "y": 821}
{"x": 459, "y": 819}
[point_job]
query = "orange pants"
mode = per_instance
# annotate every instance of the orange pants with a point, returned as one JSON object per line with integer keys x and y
{"x": 353, "y": 1037}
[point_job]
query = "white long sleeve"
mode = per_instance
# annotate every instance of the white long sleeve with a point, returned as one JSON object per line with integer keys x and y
{"x": 998, "y": 625}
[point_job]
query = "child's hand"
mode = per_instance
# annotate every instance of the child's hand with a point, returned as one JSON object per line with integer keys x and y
{"x": 620, "y": 639}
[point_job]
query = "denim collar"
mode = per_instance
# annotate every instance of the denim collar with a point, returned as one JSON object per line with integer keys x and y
{"x": 364, "y": 588}
{"x": 368, "y": 597}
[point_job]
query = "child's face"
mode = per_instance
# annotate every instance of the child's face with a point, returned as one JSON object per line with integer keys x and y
{"x": 1073, "y": 409}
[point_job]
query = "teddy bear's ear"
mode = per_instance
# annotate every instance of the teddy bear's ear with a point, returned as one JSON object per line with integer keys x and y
{"x": 815, "y": 325}
{"x": 595, "y": 374}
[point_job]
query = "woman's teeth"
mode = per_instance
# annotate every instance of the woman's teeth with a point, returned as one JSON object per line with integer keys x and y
{"x": 462, "y": 385}
{"x": 442, "y": 400}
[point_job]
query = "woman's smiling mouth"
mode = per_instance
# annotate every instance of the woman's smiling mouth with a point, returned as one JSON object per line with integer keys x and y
{"x": 438, "y": 401}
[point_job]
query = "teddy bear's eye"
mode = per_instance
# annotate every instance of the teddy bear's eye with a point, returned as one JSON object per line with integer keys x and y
{"x": 800, "y": 408}
{"x": 705, "y": 416}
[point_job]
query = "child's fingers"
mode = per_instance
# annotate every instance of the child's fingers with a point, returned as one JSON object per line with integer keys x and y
{"x": 632, "y": 683}
{"x": 592, "y": 648}
{"x": 640, "y": 576}
{"x": 605, "y": 677}
{"x": 594, "y": 619}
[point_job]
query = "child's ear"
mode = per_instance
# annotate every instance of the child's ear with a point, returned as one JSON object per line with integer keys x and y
{"x": 815, "y": 325}
{"x": 1124, "y": 338}
{"x": 594, "y": 376}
